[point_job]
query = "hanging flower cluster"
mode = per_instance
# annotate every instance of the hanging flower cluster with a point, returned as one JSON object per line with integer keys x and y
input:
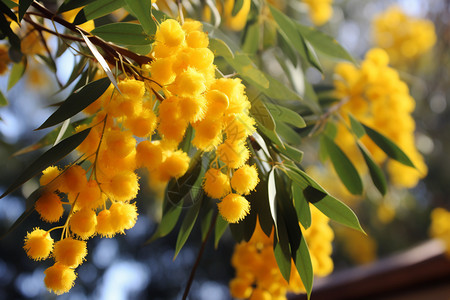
{"x": 257, "y": 272}
{"x": 375, "y": 95}
{"x": 140, "y": 125}
{"x": 404, "y": 38}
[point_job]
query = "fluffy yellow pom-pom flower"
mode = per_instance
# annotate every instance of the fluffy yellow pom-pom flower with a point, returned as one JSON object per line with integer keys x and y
{"x": 70, "y": 252}
{"x": 123, "y": 216}
{"x": 190, "y": 83}
{"x": 59, "y": 278}
{"x": 83, "y": 223}
{"x": 90, "y": 197}
{"x": 38, "y": 244}
{"x": 149, "y": 154}
{"x": 123, "y": 186}
{"x": 121, "y": 143}
{"x": 245, "y": 179}
{"x": 73, "y": 180}
{"x": 234, "y": 208}
{"x": 234, "y": 155}
{"x": 105, "y": 224}
{"x": 170, "y": 33}
{"x": 216, "y": 184}
{"x": 175, "y": 165}
{"x": 49, "y": 175}
{"x": 49, "y": 207}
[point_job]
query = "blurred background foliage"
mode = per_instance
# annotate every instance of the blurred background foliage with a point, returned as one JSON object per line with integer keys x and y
{"x": 124, "y": 268}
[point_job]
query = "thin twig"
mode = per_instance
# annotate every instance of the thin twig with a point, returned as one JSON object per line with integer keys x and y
{"x": 199, "y": 256}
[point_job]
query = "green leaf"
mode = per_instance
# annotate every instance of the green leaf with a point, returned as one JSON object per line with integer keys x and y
{"x": 261, "y": 204}
{"x": 143, "y": 12}
{"x": 23, "y": 7}
{"x": 123, "y": 33}
{"x": 219, "y": 230}
{"x": 288, "y": 30}
{"x": 186, "y": 227}
{"x": 343, "y": 167}
{"x": 3, "y": 100}
{"x": 378, "y": 178}
{"x": 237, "y": 7}
{"x": 97, "y": 9}
{"x": 281, "y": 249}
{"x": 16, "y": 74}
{"x": 324, "y": 43}
{"x": 220, "y": 48}
{"x": 339, "y": 212}
{"x": 284, "y": 114}
{"x": 251, "y": 39}
{"x": 5, "y": 7}
{"x": 301, "y": 206}
{"x": 290, "y": 152}
{"x": 171, "y": 214}
{"x": 319, "y": 197}
{"x": 357, "y": 128}
{"x": 247, "y": 69}
{"x": 206, "y": 222}
{"x": 270, "y": 134}
{"x": 141, "y": 50}
{"x": 389, "y": 147}
{"x": 77, "y": 102}
{"x": 259, "y": 111}
{"x": 272, "y": 192}
{"x": 50, "y": 157}
{"x": 287, "y": 133}
{"x": 243, "y": 230}
{"x": 303, "y": 264}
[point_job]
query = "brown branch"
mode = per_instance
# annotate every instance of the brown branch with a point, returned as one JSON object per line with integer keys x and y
{"x": 199, "y": 256}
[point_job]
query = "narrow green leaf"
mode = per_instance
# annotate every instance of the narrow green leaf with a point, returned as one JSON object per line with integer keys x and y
{"x": 3, "y": 100}
{"x": 272, "y": 192}
{"x": 251, "y": 38}
{"x": 247, "y": 69}
{"x": 206, "y": 222}
{"x": 261, "y": 204}
{"x": 5, "y": 7}
{"x": 291, "y": 152}
{"x": 123, "y": 33}
{"x": 304, "y": 267}
{"x": 357, "y": 128}
{"x": 168, "y": 221}
{"x": 23, "y": 7}
{"x": 100, "y": 60}
{"x": 77, "y": 102}
{"x": 301, "y": 206}
{"x": 319, "y": 197}
{"x": 311, "y": 56}
{"x": 141, "y": 49}
{"x": 389, "y": 147}
{"x": 281, "y": 249}
{"x": 284, "y": 114}
{"x": 287, "y": 133}
{"x": 260, "y": 112}
{"x": 237, "y": 7}
{"x": 378, "y": 178}
{"x": 186, "y": 227}
{"x": 97, "y": 9}
{"x": 343, "y": 167}
{"x": 270, "y": 134}
{"x": 220, "y": 48}
{"x": 339, "y": 212}
{"x": 324, "y": 43}
{"x": 16, "y": 74}
{"x": 50, "y": 157}
{"x": 143, "y": 12}
{"x": 219, "y": 230}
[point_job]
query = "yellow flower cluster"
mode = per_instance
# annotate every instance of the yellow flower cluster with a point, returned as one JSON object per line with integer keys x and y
{"x": 216, "y": 109}
{"x": 140, "y": 125}
{"x": 404, "y": 38}
{"x": 375, "y": 95}
{"x": 257, "y": 273}
{"x": 320, "y": 11}
{"x": 440, "y": 226}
